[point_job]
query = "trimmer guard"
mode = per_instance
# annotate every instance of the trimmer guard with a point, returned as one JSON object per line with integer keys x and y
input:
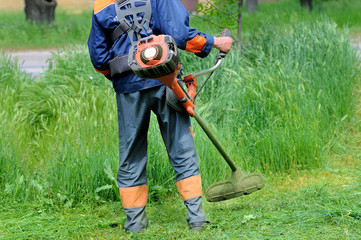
{"x": 237, "y": 185}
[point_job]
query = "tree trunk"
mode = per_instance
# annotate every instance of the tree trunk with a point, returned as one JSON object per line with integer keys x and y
{"x": 239, "y": 23}
{"x": 306, "y": 3}
{"x": 252, "y": 5}
{"x": 40, "y": 11}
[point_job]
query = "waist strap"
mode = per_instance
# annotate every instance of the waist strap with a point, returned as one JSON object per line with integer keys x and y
{"x": 119, "y": 66}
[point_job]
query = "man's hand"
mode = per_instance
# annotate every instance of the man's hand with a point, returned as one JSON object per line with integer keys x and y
{"x": 223, "y": 44}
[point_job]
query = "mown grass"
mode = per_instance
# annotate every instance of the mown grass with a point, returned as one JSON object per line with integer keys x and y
{"x": 322, "y": 204}
{"x": 278, "y": 106}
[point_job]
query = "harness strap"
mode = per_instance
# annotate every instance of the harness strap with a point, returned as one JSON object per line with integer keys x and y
{"x": 134, "y": 17}
{"x": 123, "y": 27}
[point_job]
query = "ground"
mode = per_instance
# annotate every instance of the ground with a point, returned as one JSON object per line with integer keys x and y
{"x": 323, "y": 202}
{"x": 311, "y": 204}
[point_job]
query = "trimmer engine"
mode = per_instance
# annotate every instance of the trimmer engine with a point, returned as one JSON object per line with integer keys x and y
{"x": 154, "y": 57}
{"x": 157, "y": 57}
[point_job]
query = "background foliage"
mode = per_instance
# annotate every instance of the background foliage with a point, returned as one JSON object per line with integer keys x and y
{"x": 73, "y": 28}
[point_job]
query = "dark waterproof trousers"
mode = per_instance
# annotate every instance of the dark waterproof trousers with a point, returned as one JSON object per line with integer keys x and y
{"x": 134, "y": 111}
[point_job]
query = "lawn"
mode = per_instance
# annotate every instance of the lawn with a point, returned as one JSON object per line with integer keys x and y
{"x": 288, "y": 106}
{"x": 318, "y": 204}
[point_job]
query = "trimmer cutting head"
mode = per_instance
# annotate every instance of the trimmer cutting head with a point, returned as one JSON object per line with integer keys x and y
{"x": 237, "y": 185}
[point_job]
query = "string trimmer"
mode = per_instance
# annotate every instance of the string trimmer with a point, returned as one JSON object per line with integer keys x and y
{"x": 157, "y": 57}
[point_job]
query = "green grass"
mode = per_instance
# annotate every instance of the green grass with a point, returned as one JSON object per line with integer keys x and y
{"x": 286, "y": 106}
{"x": 299, "y": 205}
{"x": 68, "y": 29}
{"x": 71, "y": 29}
{"x": 274, "y": 104}
{"x": 283, "y": 13}
{"x": 278, "y": 106}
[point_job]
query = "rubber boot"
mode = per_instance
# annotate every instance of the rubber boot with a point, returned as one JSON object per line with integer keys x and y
{"x": 195, "y": 215}
{"x": 137, "y": 220}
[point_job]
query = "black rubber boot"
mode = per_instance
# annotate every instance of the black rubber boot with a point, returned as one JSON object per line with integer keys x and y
{"x": 195, "y": 215}
{"x": 198, "y": 226}
{"x": 137, "y": 220}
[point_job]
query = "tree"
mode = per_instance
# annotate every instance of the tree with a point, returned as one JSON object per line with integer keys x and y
{"x": 40, "y": 11}
{"x": 307, "y": 3}
{"x": 224, "y": 13}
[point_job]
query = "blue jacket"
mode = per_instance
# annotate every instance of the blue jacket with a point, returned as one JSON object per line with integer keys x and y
{"x": 168, "y": 17}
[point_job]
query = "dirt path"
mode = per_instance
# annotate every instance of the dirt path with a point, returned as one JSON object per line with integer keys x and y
{"x": 33, "y": 62}
{"x": 357, "y": 44}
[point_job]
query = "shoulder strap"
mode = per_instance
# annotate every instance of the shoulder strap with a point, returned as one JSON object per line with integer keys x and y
{"x": 134, "y": 17}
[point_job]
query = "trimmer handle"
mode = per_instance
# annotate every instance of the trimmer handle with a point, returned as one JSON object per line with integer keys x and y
{"x": 225, "y": 33}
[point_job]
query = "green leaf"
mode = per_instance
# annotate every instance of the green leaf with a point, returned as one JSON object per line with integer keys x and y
{"x": 105, "y": 187}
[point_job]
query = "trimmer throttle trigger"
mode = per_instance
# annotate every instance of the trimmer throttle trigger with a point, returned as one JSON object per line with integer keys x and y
{"x": 191, "y": 84}
{"x": 226, "y": 33}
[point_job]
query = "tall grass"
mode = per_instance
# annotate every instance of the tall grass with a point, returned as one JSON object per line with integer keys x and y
{"x": 59, "y": 122}
{"x": 276, "y": 106}
{"x": 285, "y": 97}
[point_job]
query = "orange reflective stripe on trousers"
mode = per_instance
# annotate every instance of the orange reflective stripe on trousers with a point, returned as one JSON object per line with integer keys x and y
{"x": 190, "y": 187}
{"x": 133, "y": 197}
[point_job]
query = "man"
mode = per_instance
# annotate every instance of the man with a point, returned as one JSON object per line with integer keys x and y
{"x": 137, "y": 97}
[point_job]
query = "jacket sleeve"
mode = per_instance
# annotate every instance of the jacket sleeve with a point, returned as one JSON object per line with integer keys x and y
{"x": 99, "y": 47}
{"x": 173, "y": 19}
